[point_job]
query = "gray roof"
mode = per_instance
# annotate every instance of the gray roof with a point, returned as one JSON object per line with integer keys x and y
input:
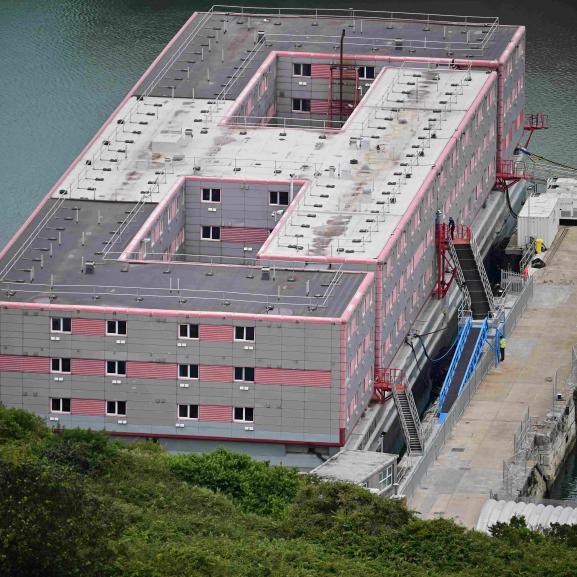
{"x": 114, "y": 283}
{"x": 353, "y": 466}
{"x": 202, "y": 44}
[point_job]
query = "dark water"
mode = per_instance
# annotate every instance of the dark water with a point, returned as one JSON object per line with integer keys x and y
{"x": 565, "y": 486}
{"x": 66, "y": 64}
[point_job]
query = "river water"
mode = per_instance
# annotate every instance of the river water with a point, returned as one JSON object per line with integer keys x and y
{"x": 66, "y": 64}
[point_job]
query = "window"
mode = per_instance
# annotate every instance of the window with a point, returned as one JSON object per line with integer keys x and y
{"x": 116, "y": 408}
{"x": 210, "y": 233}
{"x": 278, "y": 197}
{"x": 211, "y": 195}
{"x": 244, "y": 333}
{"x": 188, "y": 411}
{"x": 116, "y": 327}
{"x": 301, "y": 105}
{"x": 188, "y": 371}
{"x": 188, "y": 331}
{"x": 60, "y": 405}
{"x": 60, "y": 365}
{"x": 244, "y": 374}
{"x": 301, "y": 69}
{"x": 116, "y": 367}
{"x": 60, "y": 325}
{"x": 244, "y": 414}
{"x": 386, "y": 476}
{"x": 366, "y": 72}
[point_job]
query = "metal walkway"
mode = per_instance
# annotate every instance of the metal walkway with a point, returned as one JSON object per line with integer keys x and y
{"x": 472, "y": 337}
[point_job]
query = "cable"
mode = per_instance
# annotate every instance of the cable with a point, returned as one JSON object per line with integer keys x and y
{"x": 431, "y": 332}
{"x": 415, "y": 355}
{"x": 438, "y": 359}
{"x": 509, "y": 201}
{"x": 553, "y": 162}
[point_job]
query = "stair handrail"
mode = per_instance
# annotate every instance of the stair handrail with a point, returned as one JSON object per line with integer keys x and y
{"x": 454, "y": 362}
{"x": 460, "y": 276}
{"x": 483, "y": 275}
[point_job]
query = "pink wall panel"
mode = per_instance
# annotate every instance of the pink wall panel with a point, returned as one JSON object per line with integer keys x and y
{"x": 93, "y": 407}
{"x": 24, "y": 364}
{"x": 215, "y": 373}
{"x": 215, "y": 413}
{"x": 242, "y": 235}
{"x": 216, "y": 332}
{"x": 324, "y": 71}
{"x": 88, "y": 327}
{"x": 144, "y": 370}
{"x": 293, "y": 377}
{"x": 89, "y": 367}
{"x": 322, "y": 106}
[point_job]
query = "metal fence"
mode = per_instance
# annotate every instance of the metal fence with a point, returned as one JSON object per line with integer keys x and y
{"x": 416, "y": 471}
{"x": 525, "y": 453}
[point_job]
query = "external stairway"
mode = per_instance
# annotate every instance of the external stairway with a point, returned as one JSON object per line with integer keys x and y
{"x": 473, "y": 272}
{"x": 391, "y": 382}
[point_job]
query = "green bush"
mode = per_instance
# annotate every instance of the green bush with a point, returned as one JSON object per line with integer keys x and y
{"x": 84, "y": 451}
{"x": 16, "y": 425}
{"x": 255, "y": 485}
{"x": 77, "y": 504}
{"x": 52, "y": 525}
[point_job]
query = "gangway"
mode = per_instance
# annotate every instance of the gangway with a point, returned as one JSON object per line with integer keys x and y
{"x": 476, "y": 280}
{"x": 472, "y": 337}
{"x": 458, "y": 258}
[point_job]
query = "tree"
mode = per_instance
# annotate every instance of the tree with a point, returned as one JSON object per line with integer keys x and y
{"x": 51, "y": 524}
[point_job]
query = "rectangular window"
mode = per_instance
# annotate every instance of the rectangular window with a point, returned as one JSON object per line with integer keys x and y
{"x": 59, "y": 365}
{"x": 210, "y": 195}
{"x": 245, "y": 374}
{"x": 60, "y": 405}
{"x": 116, "y": 328}
{"x": 188, "y": 331}
{"x": 60, "y": 325}
{"x": 301, "y": 69}
{"x": 117, "y": 408}
{"x": 244, "y": 414}
{"x": 366, "y": 72}
{"x": 244, "y": 333}
{"x": 188, "y": 411}
{"x": 301, "y": 105}
{"x": 116, "y": 368}
{"x": 210, "y": 232}
{"x": 386, "y": 476}
{"x": 188, "y": 371}
{"x": 278, "y": 197}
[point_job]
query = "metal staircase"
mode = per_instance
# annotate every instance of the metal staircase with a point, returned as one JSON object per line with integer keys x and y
{"x": 475, "y": 275}
{"x": 393, "y": 380}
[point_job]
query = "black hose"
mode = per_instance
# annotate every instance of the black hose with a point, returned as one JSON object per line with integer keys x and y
{"x": 438, "y": 359}
{"x": 509, "y": 201}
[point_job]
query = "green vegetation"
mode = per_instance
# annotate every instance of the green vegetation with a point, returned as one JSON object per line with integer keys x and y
{"x": 79, "y": 504}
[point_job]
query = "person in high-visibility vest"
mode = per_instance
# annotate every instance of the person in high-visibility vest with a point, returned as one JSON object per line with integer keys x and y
{"x": 502, "y": 346}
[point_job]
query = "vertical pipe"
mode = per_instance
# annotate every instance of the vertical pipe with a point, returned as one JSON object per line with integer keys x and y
{"x": 341, "y": 77}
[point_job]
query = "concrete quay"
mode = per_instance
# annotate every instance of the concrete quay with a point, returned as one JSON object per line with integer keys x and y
{"x": 470, "y": 464}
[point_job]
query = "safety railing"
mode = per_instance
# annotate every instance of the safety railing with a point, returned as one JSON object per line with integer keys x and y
{"x": 466, "y": 305}
{"x": 483, "y": 274}
{"x": 465, "y": 330}
{"x": 441, "y": 432}
{"x": 355, "y": 14}
{"x": 481, "y": 339}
